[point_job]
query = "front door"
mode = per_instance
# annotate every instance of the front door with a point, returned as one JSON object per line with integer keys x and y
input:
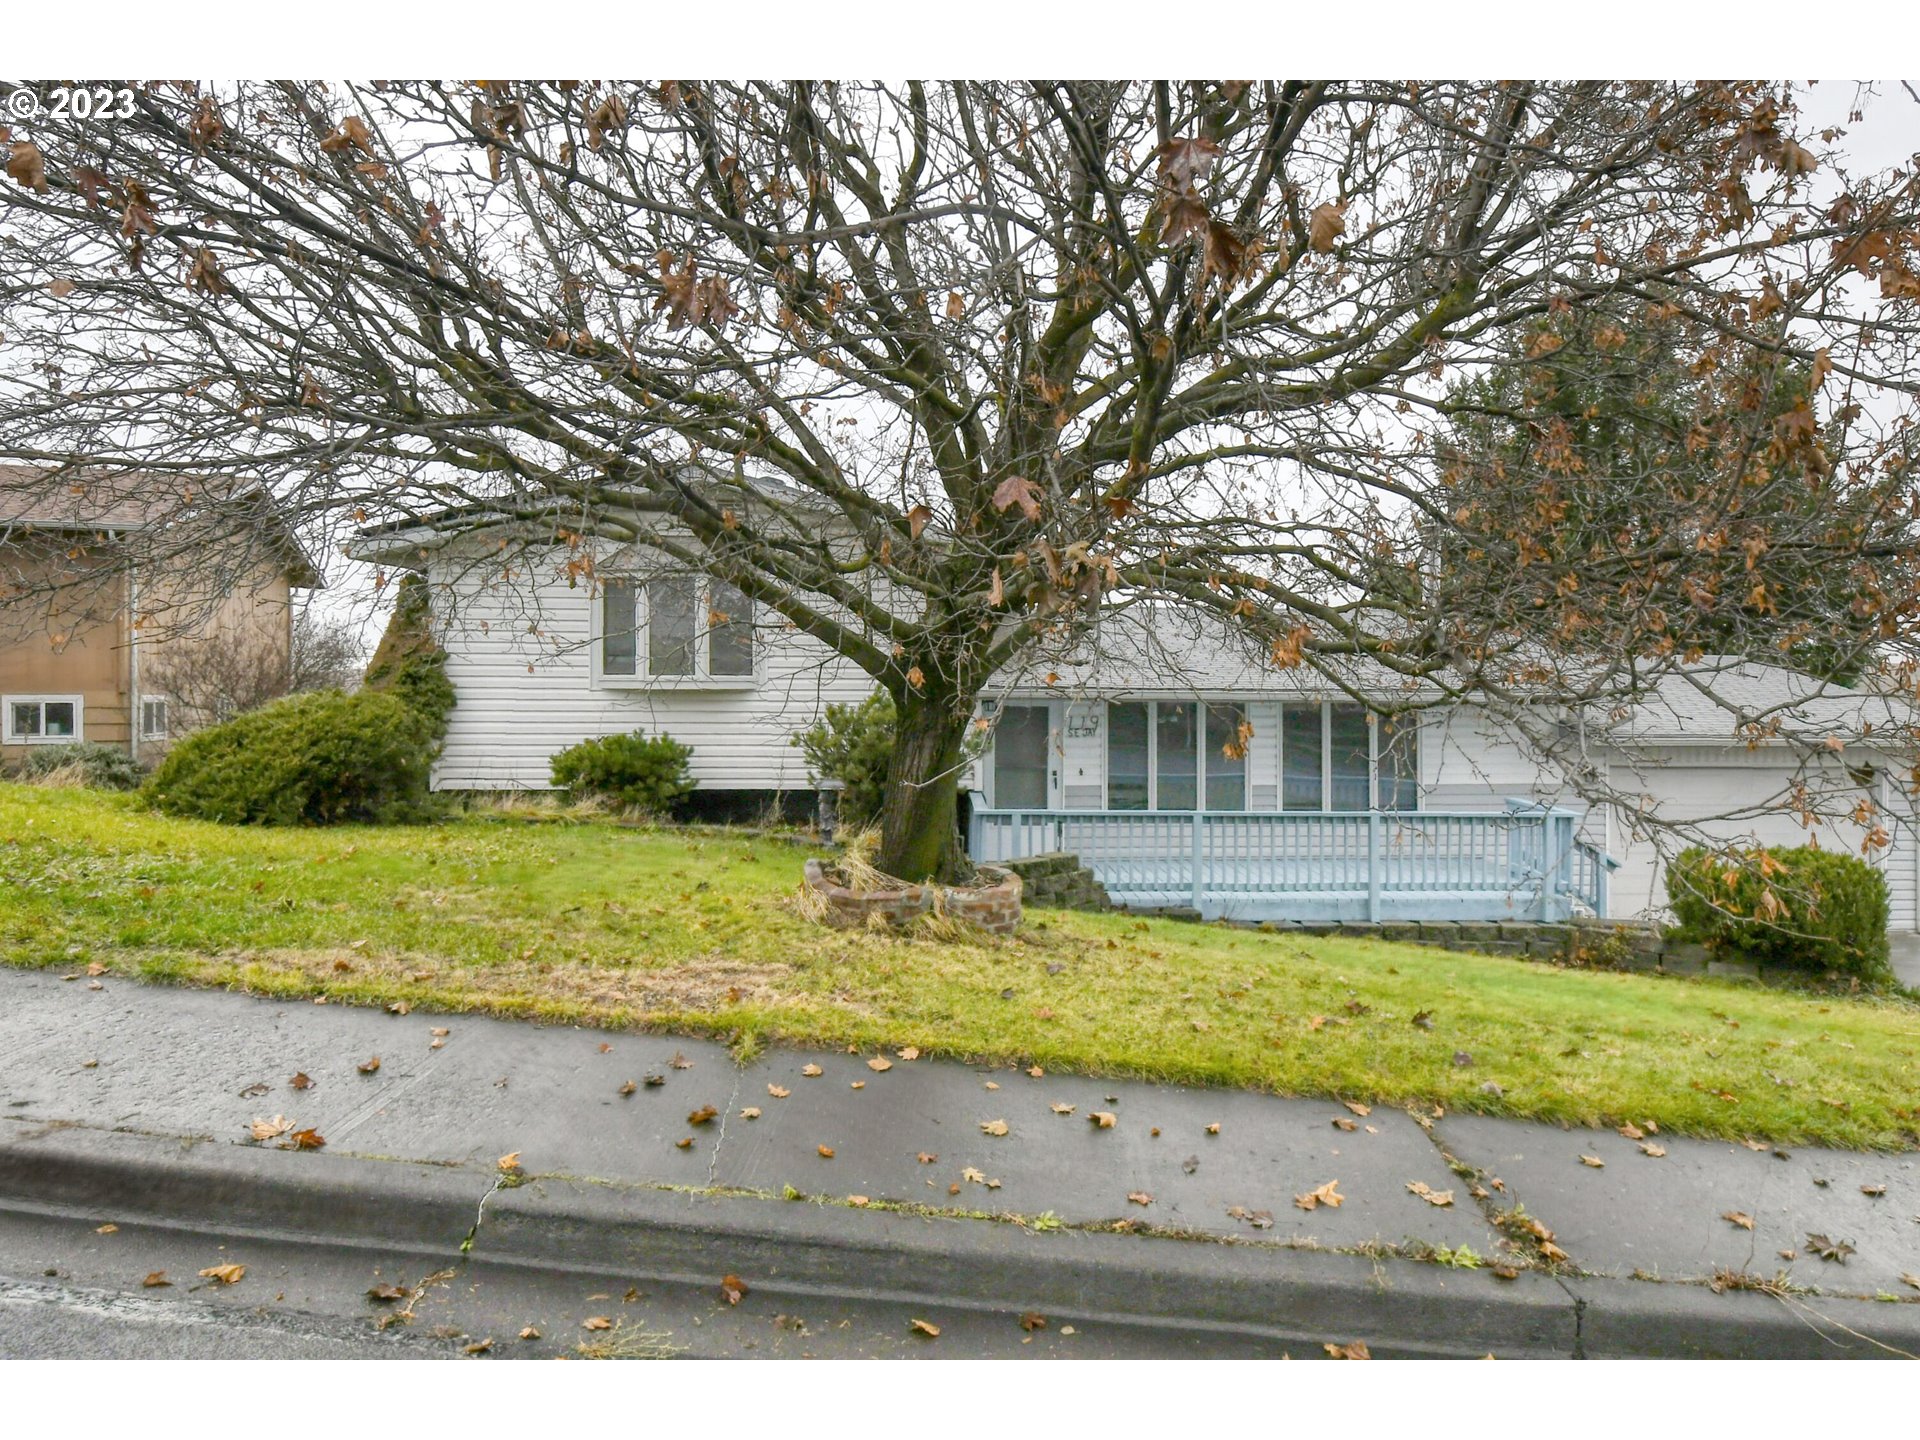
{"x": 1023, "y": 759}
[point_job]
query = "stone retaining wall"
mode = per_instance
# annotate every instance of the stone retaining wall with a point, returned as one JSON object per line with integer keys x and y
{"x": 1058, "y": 878}
{"x": 1609, "y": 944}
{"x": 993, "y": 906}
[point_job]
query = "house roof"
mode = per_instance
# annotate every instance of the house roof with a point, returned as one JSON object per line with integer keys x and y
{"x": 135, "y": 502}
{"x": 1729, "y": 699}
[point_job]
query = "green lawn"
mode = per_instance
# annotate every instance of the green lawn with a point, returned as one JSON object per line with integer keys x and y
{"x": 627, "y": 928}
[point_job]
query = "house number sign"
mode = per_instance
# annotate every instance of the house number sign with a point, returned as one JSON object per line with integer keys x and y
{"x": 1083, "y": 727}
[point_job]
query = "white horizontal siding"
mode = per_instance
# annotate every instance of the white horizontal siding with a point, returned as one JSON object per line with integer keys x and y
{"x": 520, "y": 662}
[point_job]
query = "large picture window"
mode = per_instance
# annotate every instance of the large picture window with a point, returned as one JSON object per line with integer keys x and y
{"x": 684, "y": 627}
{"x": 1334, "y": 757}
{"x": 1156, "y": 758}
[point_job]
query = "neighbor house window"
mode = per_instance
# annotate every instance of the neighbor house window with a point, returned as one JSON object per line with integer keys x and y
{"x": 1156, "y": 758}
{"x": 153, "y": 718}
{"x": 675, "y": 626}
{"x": 42, "y": 719}
{"x": 1334, "y": 757}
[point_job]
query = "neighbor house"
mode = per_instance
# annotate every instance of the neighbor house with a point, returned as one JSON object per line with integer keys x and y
{"x": 109, "y": 586}
{"x": 1184, "y": 768}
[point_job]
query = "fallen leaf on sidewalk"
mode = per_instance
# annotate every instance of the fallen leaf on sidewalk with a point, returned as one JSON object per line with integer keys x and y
{"x": 810, "y": 1071}
{"x": 400, "y": 1007}
{"x": 605, "y": 1048}
{"x": 993, "y": 1127}
{"x": 301, "y": 1082}
{"x": 478, "y": 1347}
{"x": 926, "y": 1158}
{"x": 993, "y": 1085}
{"x": 1740, "y": 1218}
{"x": 923, "y": 1327}
{"x": 684, "y": 1144}
{"x": 367, "y": 1067}
{"x": 1430, "y": 1195}
{"x": 107, "y": 1229}
{"x": 1061, "y": 1109}
{"x": 1756, "y": 1145}
{"x": 733, "y": 1289}
{"x": 1102, "y": 1119}
{"x": 1633, "y": 1131}
{"x": 1909, "y": 1278}
{"x": 751, "y": 1112}
{"x": 1357, "y": 1108}
{"x": 257, "y": 1088}
{"x": 1873, "y": 1192}
{"x": 307, "y": 1140}
{"x": 509, "y": 1163}
{"x": 653, "y": 1082}
{"x": 858, "y": 1085}
{"x": 679, "y": 1062}
{"x": 155, "y": 1279}
{"x": 1034, "y": 1070}
{"x": 597, "y": 1322}
{"x": 1341, "y": 1122}
{"x": 1836, "y": 1250}
{"x": 826, "y": 1151}
{"x": 701, "y": 1116}
{"x": 879, "y": 1064}
{"x": 977, "y": 1177}
{"x": 1649, "y": 1148}
{"x": 385, "y": 1293}
{"x": 439, "y": 1032}
{"x": 529, "y": 1333}
{"x": 224, "y": 1274}
{"x": 1140, "y": 1197}
{"x": 628, "y": 1088}
{"x": 1034, "y": 1320}
{"x": 269, "y": 1129}
{"x": 1593, "y": 1161}
{"x": 1356, "y": 1351}
{"x": 778, "y": 1092}
{"x": 1324, "y": 1195}
{"x": 910, "y": 1052}
{"x": 1214, "y": 1129}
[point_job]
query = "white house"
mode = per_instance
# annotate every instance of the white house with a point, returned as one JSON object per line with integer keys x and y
{"x": 1180, "y": 768}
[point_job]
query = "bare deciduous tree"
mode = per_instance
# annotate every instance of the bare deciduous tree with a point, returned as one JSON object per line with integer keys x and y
{"x": 941, "y": 372}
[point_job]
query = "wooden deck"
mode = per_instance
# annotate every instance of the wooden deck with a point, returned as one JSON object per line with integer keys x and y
{"x": 1523, "y": 863}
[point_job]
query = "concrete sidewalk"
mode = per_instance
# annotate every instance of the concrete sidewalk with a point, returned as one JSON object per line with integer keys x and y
{"x": 140, "y": 1097}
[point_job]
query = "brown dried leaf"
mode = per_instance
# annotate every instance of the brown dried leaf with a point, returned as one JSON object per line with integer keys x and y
{"x": 597, "y": 1322}
{"x": 926, "y": 1328}
{"x": 751, "y": 1112}
{"x": 368, "y": 1067}
{"x": 1033, "y": 1320}
{"x": 927, "y": 1157}
{"x": 702, "y": 1116}
{"x": 1656, "y": 1151}
{"x": 1356, "y": 1351}
{"x": 107, "y": 1229}
{"x": 1102, "y": 1119}
{"x": 778, "y": 1092}
{"x": 1738, "y": 1217}
{"x": 910, "y": 1052}
{"x": 307, "y": 1140}
{"x": 401, "y": 1007}
{"x": 224, "y": 1274}
{"x": 879, "y": 1065}
{"x": 529, "y": 1333}
{"x": 810, "y": 1071}
{"x": 826, "y": 1151}
{"x": 155, "y": 1279}
{"x": 993, "y": 1127}
{"x": 680, "y": 1062}
{"x": 509, "y": 1163}
{"x": 1341, "y": 1122}
{"x": 478, "y": 1347}
{"x": 1140, "y": 1197}
{"x": 1018, "y": 490}
{"x": 1326, "y": 224}
{"x": 1323, "y": 1195}
{"x": 301, "y": 1082}
{"x": 1430, "y": 1195}
{"x": 1357, "y": 1108}
{"x": 270, "y": 1129}
{"x": 733, "y": 1289}
{"x": 1632, "y": 1131}
{"x": 1593, "y": 1162}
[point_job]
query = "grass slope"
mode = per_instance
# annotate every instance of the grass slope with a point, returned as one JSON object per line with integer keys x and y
{"x": 620, "y": 927}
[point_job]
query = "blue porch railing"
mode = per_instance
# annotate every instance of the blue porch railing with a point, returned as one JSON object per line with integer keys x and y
{"x": 1523, "y": 863}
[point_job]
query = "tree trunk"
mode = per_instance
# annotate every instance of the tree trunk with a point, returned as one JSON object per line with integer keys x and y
{"x": 919, "y": 838}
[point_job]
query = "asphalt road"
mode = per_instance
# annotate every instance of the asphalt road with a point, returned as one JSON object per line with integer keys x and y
{"x": 70, "y": 1292}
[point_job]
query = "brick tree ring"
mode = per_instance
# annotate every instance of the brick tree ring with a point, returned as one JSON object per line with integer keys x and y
{"x": 993, "y": 905}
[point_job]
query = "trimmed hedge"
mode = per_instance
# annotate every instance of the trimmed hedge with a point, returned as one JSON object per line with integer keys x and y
{"x": 853, "y": 744}
{"x": 1802, "y": 909}
{"x": 409, "y": 662}
{"x": 648, "y": 772}
{"x": 322, "y": 758}
{"x": 107, "y": 767}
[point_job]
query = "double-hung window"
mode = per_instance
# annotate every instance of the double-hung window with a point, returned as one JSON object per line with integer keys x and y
{"x": 42, "y": 719}
{"x": 153, "y": 717}
{"x": 675, "y": 627}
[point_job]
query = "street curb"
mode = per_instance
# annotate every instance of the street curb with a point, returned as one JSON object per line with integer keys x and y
{"x": 1301, "y": 1298}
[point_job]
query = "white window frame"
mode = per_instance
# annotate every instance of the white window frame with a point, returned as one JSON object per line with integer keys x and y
{"x": 1326, "y": 760}
{"x": 166, "y": 717}
{"x": 1153, "y": 758}
{"x": 7, "y": 735}
{"x": 642, "y": 678}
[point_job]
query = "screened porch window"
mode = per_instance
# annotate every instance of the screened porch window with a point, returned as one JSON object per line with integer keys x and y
{"x": 1128, "y": 757}
{"x": 1333, "y": 757}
